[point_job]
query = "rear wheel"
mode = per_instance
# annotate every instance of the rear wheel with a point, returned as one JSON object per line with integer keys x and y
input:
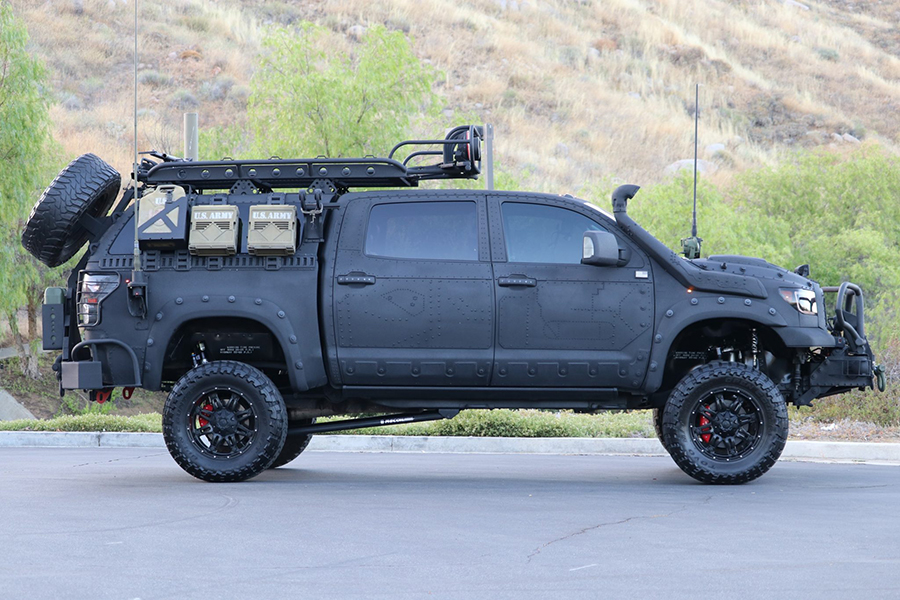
{"x": 224, "y": 421}
{"x": 294, "y": 445}
{"x": 658, "y": 427}
{"x": 725, "y": 423}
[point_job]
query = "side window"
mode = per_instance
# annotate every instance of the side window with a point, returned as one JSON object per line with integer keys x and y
{"x": 544, "y": 234}
{"x": 423, "y": 230}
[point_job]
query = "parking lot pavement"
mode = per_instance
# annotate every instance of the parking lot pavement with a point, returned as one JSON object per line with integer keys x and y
{"x": 128, "y": 523}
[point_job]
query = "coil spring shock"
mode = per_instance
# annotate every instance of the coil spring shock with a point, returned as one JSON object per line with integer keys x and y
{"x": 754, "y": 348}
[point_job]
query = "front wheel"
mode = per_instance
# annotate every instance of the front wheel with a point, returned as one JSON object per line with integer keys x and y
{"x": 725, "y": 423}
{"x": 224, "y": 421}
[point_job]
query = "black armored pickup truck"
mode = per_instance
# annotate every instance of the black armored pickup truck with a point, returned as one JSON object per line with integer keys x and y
{"x": 263, "y": 294}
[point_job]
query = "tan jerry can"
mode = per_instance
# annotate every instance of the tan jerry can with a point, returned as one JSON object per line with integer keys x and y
{"x": 214, "y": 230}
{"x": 272, "y": 230}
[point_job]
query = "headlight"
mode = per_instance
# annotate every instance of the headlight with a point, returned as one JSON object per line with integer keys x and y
{"x": 93, "y": 289}
{"x": 802, "y": 300}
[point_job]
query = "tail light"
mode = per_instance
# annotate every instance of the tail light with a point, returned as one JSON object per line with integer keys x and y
{"x": 93, "y": 289}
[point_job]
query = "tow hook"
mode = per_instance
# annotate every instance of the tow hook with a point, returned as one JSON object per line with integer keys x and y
{"x": 878, "y": 371}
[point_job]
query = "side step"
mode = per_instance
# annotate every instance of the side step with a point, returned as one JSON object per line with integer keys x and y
{"x": 431, "y": 415}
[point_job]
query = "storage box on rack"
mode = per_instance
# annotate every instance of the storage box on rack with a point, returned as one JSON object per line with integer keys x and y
{"x": 272, "y": 230}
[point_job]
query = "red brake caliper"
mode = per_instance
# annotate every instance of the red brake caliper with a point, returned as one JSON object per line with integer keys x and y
{"x": 201, "y": 420}
{"x": 703, "y": 423}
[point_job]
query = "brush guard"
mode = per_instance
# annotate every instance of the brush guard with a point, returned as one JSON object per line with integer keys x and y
{"x": 852, "y": 363}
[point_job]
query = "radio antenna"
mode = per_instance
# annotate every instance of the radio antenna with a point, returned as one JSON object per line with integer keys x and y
{"x": 691, "y": 246}
{"x": 137, "y": 287}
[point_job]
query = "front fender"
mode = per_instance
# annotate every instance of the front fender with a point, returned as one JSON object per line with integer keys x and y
{"x": 697, "y": 308}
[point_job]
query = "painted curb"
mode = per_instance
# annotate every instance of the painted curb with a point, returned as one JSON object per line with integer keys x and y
{"x": 795, "y": 449}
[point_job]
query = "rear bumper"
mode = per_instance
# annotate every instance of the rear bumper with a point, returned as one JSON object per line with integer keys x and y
{"x": 88, "y": 374}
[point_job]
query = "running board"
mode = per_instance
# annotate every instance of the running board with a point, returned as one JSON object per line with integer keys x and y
{"x": 431, "y": 415}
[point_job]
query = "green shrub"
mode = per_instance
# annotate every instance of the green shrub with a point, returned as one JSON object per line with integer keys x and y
{"x": 150, "y": 423}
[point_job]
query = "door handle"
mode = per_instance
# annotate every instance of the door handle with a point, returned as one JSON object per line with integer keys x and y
{"x": 517, "y": 280}
{"x": 358, "y": 278}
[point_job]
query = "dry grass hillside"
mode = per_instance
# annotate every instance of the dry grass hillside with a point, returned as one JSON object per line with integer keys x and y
{"x": 579, "y": 91}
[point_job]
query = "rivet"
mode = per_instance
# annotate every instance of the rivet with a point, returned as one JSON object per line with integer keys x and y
{"x": 149, "y": 341}
{"x": 449, "y": 371}
{"x": 205, "y": 298}
{"x": 415, "y": 371}
{"x": 280, "y": 314}
{"x": 159, "y": 316}
{"x": 747, "y": 302}
{"x": 669, "y": 313}
{"x": 258, "y": 301}
{"x": 179, "y": 300}
{"x": 481, "y": 371}
{"x": 323, "y": 171}
{"x": 293, "y": 339}
{"x": 299, "y": 364}
{"x": 592, "y": 372}
{"x": 563, "y": 372}
{"x": 720, "y": 300}
{"x": 658, "y": 338}
{"x": 772, "y": 311}
{"x": 531, "y": 371}
{"x": 381, "y": 370}
{"x": 300, "y": 172}
{"x": 229, "y": 173}
{"x": 276, "y": 172}
{"x": 694, "y": 301}
{"x": 204, "y": 173}
{"x": 503, "y": 371}
{"x": 350, "y": 370}
{"x": 346, "y": 171}
{"x": 370, "y": 170}
{"x": 231, "y": 298}
{"x": 653, "y": 366}
{"x": 252, "y": 173}
{"x": 623, "y": 372}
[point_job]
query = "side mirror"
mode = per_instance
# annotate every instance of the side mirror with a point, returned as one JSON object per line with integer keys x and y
{"x": 600, "y": 248}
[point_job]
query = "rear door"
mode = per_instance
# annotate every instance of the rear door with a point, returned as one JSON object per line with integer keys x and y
{"x": 561, "y": 323}
{"x": 413, "y": 293}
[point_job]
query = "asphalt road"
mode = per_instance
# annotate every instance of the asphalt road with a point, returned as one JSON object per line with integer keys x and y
{"x": 128, "y": 523}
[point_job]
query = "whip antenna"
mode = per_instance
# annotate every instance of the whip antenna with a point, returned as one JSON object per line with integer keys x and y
{"x": 691, "y": 246}
{"x": 137, "y": 287}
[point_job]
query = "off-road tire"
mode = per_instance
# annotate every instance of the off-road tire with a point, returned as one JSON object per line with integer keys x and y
{"x": 658, "y": 426}
{"x": 294, "y": 445}
{"x": 88, "y": 185}
{"x": 181, "y": 431}
{"x": 764, "y": 426}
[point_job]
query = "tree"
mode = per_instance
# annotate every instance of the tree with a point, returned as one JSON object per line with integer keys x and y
{"x": 310, "y": 98}
{"x": 26, "y": 151}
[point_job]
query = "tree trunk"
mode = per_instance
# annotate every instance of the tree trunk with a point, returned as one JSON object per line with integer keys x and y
{"x": 32, "y": 319}
{"x": 27, "y": 360}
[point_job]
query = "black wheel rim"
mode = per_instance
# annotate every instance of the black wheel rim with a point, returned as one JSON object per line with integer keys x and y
{"x": 222, "y": 423}
{"x": 726, "y": 424}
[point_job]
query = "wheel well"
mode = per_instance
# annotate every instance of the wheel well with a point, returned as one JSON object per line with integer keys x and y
{"x": 724, "y": 339}
{"x": 225, "y": 338}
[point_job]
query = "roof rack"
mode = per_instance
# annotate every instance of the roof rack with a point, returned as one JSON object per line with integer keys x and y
{"x": 460, "y": 159}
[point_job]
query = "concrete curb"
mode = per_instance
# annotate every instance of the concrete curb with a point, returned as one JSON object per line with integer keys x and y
{"x": 795, "y": 450}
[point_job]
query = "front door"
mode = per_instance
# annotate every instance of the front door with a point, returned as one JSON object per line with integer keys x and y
{"x": 561, "y": 323}
{"x": 413, "y": 298}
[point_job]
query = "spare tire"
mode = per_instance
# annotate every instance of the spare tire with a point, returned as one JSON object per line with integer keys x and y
{"x": 53, "y": 233}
